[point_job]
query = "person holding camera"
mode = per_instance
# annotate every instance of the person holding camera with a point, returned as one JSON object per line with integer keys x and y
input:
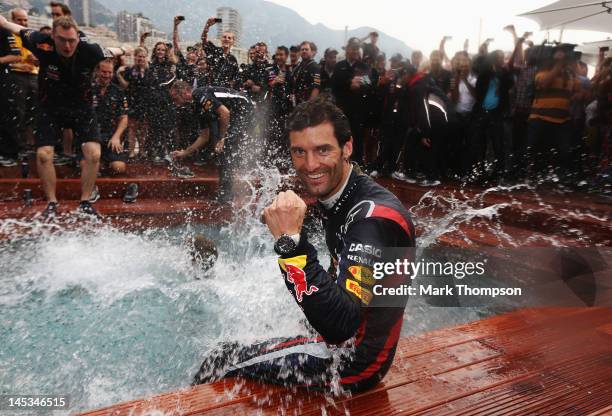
{"x": 280, "y": 107}
{"x": 463, "y": 97}
{"x": 549, "y": 129}
{"x": 370, "y": 50}
{"x": 351, "y": 85}
{"x": 162, "y": 126}
{"x": 186, "y": 68}
{"x": 438, "y": 73}
{"x": 523, "y": 64}
{"x": 136, "y": 81}
{"x": 492, "y": 88}
{"x": 222, "y": 64}
{"x": 328, "y": 63}
{"x": 393, "y": 126}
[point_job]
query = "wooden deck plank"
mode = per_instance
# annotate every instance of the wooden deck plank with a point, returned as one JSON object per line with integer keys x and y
{"x": 601, "y": 412}
{"x": 525, "y": 216}
{"x": 484, "y": 370}
{"x": 414, "y": 346}
{"x": 453, "y": 390}
{"x": 510, "y": 322}
{"x": 18, "y": 221}
{"x": 549, "y": 388}
{"x": 466, "y": 382}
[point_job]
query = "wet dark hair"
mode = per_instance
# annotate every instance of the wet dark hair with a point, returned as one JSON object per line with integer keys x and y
{"x": 202, "y": 250}
{"x": 180, "y": 86}
{"x": 294, "y": 48}
{"x": 318, "y": 111}
{"x": 64, "y": 7}
{"x": 284, "y": 49}
{"x": 481, "y": 64}
{"x": 408, "y": 69}
{"x": 313, "y": 46}
{"x": 110, "y": 61}
{"x": 65, "y": 22}
{"x": 530, "y": 57}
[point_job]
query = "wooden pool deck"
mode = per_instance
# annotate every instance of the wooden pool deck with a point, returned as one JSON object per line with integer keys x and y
{"x": 575, "y": 219}
{"x": 549, "y": 361}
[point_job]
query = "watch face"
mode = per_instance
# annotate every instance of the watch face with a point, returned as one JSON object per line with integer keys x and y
{"x": 284, "y": 244}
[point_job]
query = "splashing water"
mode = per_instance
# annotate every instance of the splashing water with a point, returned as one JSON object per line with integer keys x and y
{"x": 509, "y": 219}
{"x": 467, "y": 215}
{"x": 106, "y": 316}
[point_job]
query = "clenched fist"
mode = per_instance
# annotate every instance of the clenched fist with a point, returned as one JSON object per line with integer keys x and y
{"x": 285, "y": 215}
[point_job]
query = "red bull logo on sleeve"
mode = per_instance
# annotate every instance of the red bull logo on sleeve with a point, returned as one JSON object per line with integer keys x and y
{"x": 294, "y": 273}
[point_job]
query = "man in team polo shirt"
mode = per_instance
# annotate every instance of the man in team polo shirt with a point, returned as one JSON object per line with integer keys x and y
{"x": 21, "y": 88}
{"x": 65, "y": 101}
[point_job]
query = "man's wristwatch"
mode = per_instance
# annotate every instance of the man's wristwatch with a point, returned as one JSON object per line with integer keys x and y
{"x": 286, "y": 244}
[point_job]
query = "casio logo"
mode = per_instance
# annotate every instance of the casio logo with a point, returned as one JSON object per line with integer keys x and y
{"x": 366, "y": 248}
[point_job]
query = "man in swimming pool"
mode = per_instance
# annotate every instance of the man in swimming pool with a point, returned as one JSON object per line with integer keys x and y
{"x": 356, "y": 331}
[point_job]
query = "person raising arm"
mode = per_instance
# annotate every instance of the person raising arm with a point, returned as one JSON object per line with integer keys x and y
{"x": 66, "y": 67}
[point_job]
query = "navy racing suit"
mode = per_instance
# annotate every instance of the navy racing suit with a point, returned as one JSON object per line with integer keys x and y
{"x": 357, "y": 335}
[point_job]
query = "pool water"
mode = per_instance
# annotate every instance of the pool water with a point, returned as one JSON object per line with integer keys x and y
{"x": 105, "y": 315}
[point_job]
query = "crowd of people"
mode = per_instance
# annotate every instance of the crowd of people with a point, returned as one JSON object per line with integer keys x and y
{"x": 485, "y": 118}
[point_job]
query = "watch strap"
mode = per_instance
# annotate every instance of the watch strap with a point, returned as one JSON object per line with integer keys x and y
{"x": 296, "y": 238}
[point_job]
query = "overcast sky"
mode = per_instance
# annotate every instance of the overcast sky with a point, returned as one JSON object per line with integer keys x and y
{"x": 421, "y": 24}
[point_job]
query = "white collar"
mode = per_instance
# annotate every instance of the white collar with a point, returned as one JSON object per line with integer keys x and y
{"x": 331, "y": 201}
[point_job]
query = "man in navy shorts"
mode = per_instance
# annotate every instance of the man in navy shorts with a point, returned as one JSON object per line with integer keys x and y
{"x": 65, "y": 97}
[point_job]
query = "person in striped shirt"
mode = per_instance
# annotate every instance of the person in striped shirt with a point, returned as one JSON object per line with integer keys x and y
{"x": 549, "y": 130}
